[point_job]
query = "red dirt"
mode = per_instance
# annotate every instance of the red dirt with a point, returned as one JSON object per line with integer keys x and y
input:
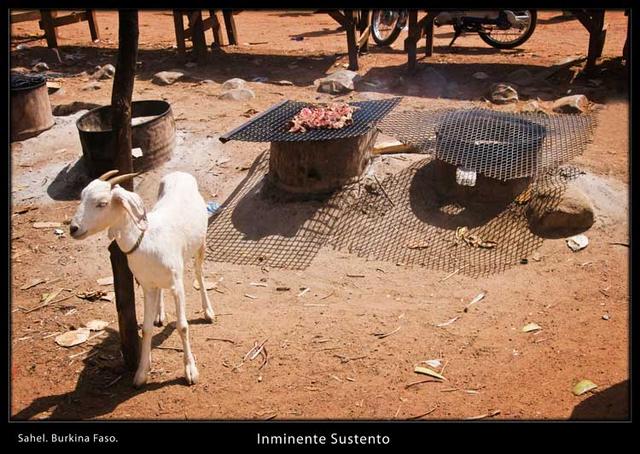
{"x": 525, "y": 376}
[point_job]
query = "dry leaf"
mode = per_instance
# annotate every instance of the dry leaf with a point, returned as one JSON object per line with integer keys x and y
{"x": 96, "y": 325}
{"x": 71, "y": 338}
{"x": 531, "y": 327}
{"x": 429, "y": 372}
{"x": 583, "y": 386}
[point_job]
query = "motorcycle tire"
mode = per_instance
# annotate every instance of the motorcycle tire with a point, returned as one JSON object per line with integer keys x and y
{"x": 515, "y": 43}
{"x": 392, "y": 36}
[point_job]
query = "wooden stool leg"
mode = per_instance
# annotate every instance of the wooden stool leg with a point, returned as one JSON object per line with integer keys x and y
{"x": 197, "y": 35}
{"x": 230, "y": 24}
{"x": 352, "y": 46}
{"x": 411, "y": 43}
{"x": 428, "y": 35}
{"x": 365, "y": 30}
{"x": 46, "y": 24}
{"x": 179, "y": 27}
{"x": 216, "y": 29}
{"x": 93, "y": 25}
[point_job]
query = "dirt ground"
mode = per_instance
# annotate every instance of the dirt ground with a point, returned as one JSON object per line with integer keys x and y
{"x": 324, "y": 360}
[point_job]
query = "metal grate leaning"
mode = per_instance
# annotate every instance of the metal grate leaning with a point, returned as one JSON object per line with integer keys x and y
{"x": 272, "y": 124}
{"x": 499, "y": 145}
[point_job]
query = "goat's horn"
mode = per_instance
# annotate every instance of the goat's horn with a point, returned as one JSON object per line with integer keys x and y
{"x": 121, "y": 178}
{"x": 107, "y": 175}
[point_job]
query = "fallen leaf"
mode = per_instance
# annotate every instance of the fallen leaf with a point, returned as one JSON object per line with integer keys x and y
{"x": 429, "y": 372}
{"x": 583, "y": 386}
{"x": 46, "y": 225}
{"x": 71, "y": 338}
{"x": 531, "y": 327}
{"x": 33, "y": 283}
{"x": 96, "y": 325}
{"x": 105, "y": 281}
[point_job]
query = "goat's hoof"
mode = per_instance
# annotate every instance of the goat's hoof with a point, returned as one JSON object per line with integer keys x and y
{"x": 139, "y": 380}
{"x": 159, "y": 323}
{"x": 209, "y": 315}
{"x": 191, "y": 374}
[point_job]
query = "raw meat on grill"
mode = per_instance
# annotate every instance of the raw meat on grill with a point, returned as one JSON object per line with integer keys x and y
{"x": 333, "y": 116}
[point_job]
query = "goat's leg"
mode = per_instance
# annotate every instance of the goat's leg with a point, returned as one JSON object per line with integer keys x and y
{"x": 150, "y": 303}
{"x": 206, "y": 304}
{"x": 161, "y": 316}
{"x": 190, "y": 369}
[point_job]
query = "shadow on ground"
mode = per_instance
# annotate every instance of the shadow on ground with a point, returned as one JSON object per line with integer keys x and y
{"x": 103, "y": 384}
{"x": 609, "y": 404}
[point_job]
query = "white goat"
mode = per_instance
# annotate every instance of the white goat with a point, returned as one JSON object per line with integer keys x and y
{"x": 157, "y": 245}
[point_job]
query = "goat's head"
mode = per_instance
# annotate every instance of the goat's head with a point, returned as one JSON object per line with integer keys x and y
{"x": 103, "y": 202}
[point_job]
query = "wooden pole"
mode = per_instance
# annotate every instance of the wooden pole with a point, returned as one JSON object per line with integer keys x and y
{"x": 411, "y": 42}
{"x": 121, "y": 123}
{"x": 352, "y": 45}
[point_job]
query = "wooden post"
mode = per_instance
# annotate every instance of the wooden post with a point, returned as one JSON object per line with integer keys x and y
{"x": 179, "y": 27}
{"x": 230, "y": 25}
{"x": 93, "y": 25}
{"x": 596, "y": 38}
{"x": 50, "y": 31}
{"x": 352, "y": 46}
{"x": 411, "y": 43}
{"x": 121, "y": 123}
{"x": 625, "y": 50}
{"x": 216, "y": 29}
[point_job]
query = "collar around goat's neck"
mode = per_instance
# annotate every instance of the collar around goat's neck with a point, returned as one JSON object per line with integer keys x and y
{"x": 140, "y": 236}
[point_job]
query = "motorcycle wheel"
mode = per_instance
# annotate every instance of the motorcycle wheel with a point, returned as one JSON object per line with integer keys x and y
{"x": 505, "y": 39}
{"x": 384, "y": 26}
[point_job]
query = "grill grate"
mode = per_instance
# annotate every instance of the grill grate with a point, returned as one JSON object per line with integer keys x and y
{"x": 497, "y": 144}
{"x": 272, "y": 124}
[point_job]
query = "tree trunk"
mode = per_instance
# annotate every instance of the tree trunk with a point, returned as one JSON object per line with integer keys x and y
{"x": 121, "y": 123}
{"x": 319, "y": 166}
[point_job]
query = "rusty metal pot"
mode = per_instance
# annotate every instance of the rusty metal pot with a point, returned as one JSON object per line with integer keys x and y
{"x": 30, "y": 106}
{"x": 153, "y": 131}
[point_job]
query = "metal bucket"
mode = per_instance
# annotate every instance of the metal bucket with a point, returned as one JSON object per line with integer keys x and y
{"x": 30, "y": 106}
{"x": 153, "y": 131}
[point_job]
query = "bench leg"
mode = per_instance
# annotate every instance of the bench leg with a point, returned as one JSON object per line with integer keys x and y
{"x": 230, "y": 24}
{"x": 179, "y": 27}
{"x": 216, "y": 29}
{"x": 411, "y": 43}
{"x": 46, "y": 24}
{"x": 352, "y": 46}
{"x": 93, "y": 25}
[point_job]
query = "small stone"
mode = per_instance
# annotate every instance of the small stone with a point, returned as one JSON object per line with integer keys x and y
{"x": 571, "y": 104}
{"x": 208, "y": 81}
{"x": 167, "y": 77}
{"x": 284, "y": 82}
{"x": 605, "y": 317}
{"x": 22, "y": 47}
{"x": 260, "y": 79}
{"x": 502, "y": 93}
{"x": 41, "y": 67}
{"x": 233, "y": 84}
{"x": 238, "y": 94}
{"x": 191, "y": 65}
{"x": 480, "y": 75}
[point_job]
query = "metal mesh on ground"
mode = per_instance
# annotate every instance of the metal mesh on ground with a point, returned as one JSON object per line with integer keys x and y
{"x": 500, "y": 145}
{"x": 408, "y": 223}
{"x": 273, "y": 125}
{"x": 257, "y": 226}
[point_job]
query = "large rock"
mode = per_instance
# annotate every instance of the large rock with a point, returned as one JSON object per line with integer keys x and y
{"x": 341, "y": 81}
{"x": 238, "y": 94}
{"x": 571, "y": 104}
{"x": 502, "y": 93}
{"x": 573, "y": 214}
{"x": 234, "y": 83}
{"x": 167, "y": 77}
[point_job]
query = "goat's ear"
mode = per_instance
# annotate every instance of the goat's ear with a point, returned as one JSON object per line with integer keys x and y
{"x": 133, "y": 205}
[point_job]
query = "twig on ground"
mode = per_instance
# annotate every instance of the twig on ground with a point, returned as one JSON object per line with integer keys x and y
{"x": 424, "y": 414}
{"x": 383, "y": 335}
